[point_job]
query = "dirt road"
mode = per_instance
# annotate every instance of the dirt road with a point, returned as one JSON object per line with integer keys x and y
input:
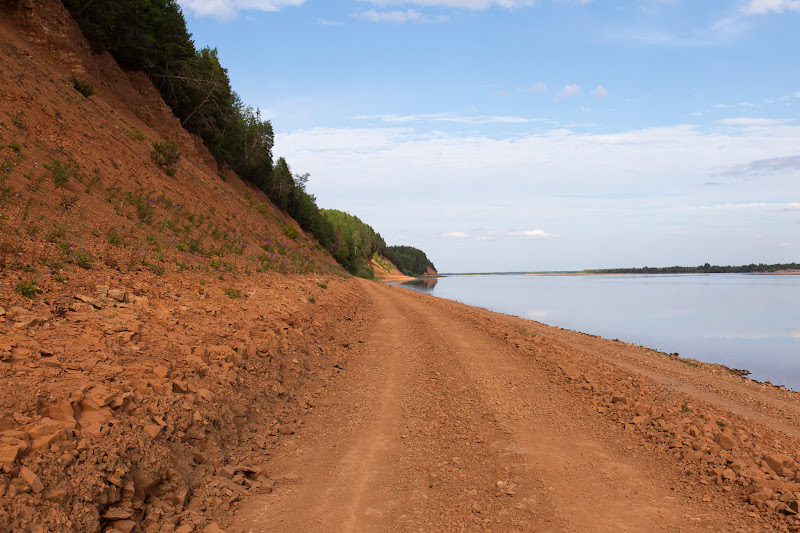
{"x": 437, "y": 425}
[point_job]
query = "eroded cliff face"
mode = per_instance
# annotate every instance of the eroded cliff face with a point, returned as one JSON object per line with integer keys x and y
{"x": 158, "y": 334}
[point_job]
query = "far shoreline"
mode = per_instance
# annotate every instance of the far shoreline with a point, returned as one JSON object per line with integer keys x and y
{"x": 568, "y": 273}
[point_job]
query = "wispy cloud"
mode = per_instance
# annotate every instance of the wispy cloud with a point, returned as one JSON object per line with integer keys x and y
{"x": 472, "y": 5}
{"x": 600, "y": 92}
{"x": 449, "y": 117}
{"x": 754, "y": 121}
{"x": 762, "y": 167}
{"x": 325, "y": 22}
{"x": 228, "y": 9}
{"x": 455, "y": 235}
{"x": 532, "y": 234}
{"x": 570, "y": 90}
{"x": 793, "y": 206}
{"x": 536, "y": 88}
{"x": 761, "y": 7}
{"x": 400, "y": 17}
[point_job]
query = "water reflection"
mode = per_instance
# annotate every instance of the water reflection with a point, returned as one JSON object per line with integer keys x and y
{"x": 422, "y": 284}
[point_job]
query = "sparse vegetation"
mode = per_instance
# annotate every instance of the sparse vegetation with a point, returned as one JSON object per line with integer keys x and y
{"x": 144, "y": 208}
{"x": 84, "y": 260}
{"x": 165, "y": 154}
{"x": 82, "y": 86}
{"x": 67, "y": 202}
{"x": 232, "y": 293}
{"x": 27, "y": 288}
{"x": 61, "y": 172}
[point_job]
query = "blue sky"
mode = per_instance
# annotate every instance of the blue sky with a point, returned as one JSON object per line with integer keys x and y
{"x": 509, "y": 135}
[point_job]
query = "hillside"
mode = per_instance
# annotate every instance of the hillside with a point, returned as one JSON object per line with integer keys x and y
{"x": 155, "y": 330}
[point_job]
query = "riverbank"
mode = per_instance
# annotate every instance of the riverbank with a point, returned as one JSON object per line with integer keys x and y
{"x": 158, "y": 402}
{"x": 505, "y": 423}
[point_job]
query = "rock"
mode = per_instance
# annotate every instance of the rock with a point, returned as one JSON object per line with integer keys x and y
{"x": 11, "y": 448}
{"x": 571, "y": 372}
{"x": 760, "y": 496}
{"x": 125, "y": 526}
{"x": 94, "y": 302}
{"x": 618, "y": 398}
{"x": 205, "y": 394}
{"x": 118, "y": 295}
{"x": 161, "y": 371}
{"x": 55, "y": 495}
{"x": 725, "y": 441}
{"x": 776, "y": 461}
{"x": 31, "y": 479}
{"x": 227, "y": 471}
{"x": 117, "y": 513}
{"x": 213, "y": 528}
{"x": 285, "y": 429}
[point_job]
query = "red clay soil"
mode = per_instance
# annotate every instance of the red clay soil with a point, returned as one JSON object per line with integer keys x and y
{"x": 176, "y": 356}
{"x": 455, "y": 418}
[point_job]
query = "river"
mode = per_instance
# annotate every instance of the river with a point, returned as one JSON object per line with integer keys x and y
{"x": 742, "y": 321}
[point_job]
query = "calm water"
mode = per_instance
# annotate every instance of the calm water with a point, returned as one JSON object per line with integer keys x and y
{"x": 741, "y": 321}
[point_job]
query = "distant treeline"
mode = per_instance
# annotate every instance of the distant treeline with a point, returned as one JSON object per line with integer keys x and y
{"x": 702, "y": 269}
{"x": 151, "y": 36}
{"x": 410, "y": 260}
{"x": 353, "y": 243}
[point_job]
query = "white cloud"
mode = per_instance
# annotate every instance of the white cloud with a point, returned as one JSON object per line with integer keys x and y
{"x": 423, "y": 183}
{"x": 797, "y": 94}
{"x": 794, "y": 206}
{"x": 325, "y": 22}
{"x": 570, "y": 90}
{"x": 449, "y": 117}
{"x": 228, "y": 9}
{"x": 760, "y": 7}
{"x": 753, "y": 121}
{"x": 600, "y": 92}
{"x": 762, "y": 167}
{"x": 784, "y": 244}
{"x": 455, "y": 235}
{"x": 409, "y": 15}
{"x": 532, "y": 234}
{"x": 473, "y": 5}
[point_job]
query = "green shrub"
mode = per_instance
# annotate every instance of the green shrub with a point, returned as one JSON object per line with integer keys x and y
{"x": 61, "y": 172}
{"x": 144, "y": 209}
{"x": 165, "y": 155}
{"x": 290, "y": 231}
{"x": 115, "y": 238}
{"x": 27, "y": 288}
{"x": 82, "y": 86}
{"x": 232, "y": 293}
{"x": 84, "y": 260}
